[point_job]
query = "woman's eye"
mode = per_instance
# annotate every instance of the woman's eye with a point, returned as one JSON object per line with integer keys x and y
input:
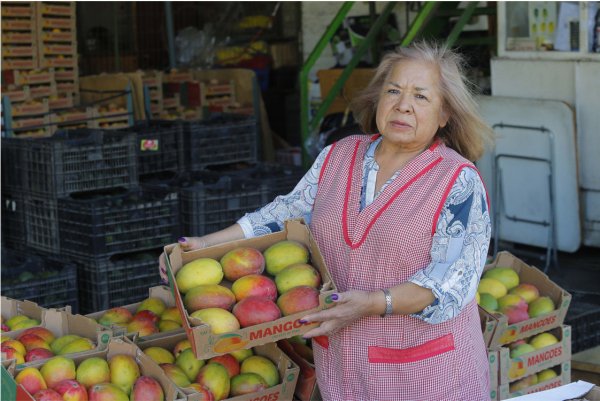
{"x": 393, "y": 91}
{"x": 419, "y": 96}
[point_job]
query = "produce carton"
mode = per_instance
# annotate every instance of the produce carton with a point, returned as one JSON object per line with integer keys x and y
{"x": 117, "y": 346}
{"x": 494, "y": 366}
{"x": 204, "y": 342}
{"x": 497, "y": 330}
{"x": 306, "y": 389}
{"x": 288, "y": 371}
{"x": 161, "y": 292}
{"x": 13, "y": 307}
{"x": 563, "y": 377}
{"x": 512, "y": 369}
{"x": 61, "y": 323}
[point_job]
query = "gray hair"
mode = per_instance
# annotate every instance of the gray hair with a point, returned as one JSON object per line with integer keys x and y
{"x": 466, "y": 132}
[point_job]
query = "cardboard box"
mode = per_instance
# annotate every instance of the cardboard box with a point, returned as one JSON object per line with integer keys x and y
{"x": 13, "y": 307}
{"x": 206, "y": 344}
{"x": 494, "y": 366}
{"x": 503, "y": 333}
{"x": 119, "y": 347}
{"x": 512, "y": 369}
{"x": 161, "y": 292}
{"x": 306, "y": 389}
{"x": 564, "y": 377}
{"x": 61, "y": 323}
{"x": 288, "y": 370}
{"x": 357, "y": 81}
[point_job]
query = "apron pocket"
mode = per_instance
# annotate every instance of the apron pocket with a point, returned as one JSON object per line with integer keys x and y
{"x": 426, "y": 350}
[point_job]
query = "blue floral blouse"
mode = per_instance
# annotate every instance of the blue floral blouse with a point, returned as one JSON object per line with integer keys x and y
{"x": 460, "y": 243}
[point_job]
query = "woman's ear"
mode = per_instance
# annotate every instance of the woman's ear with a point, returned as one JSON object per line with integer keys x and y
{"x": 444, "y": 117}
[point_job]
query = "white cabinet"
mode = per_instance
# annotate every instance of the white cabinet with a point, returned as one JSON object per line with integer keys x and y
{"x": 569, "y": 76}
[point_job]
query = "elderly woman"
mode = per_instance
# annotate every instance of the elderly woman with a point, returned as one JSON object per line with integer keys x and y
{"x": 402, "y": 219}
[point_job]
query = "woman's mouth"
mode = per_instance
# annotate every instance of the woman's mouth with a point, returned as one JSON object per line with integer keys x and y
{"x": 399, "y": 124}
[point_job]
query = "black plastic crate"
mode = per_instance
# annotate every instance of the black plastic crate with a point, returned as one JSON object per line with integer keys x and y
{"x": 584, "y": 318}
{"x": 11, "y": 172}
{"x": 159, "y": 147}
{"x": 14, "y": 234}
{"x": 223, "y": 139}
{"x": 49, "y": 282}
{"x": 104, "y": 225}
{"x": 212, "y": 201}
{"x": 117, "y": 281}
{"x": 41, "y": 224}
{"x": 74, "y": 161}
{"x": 280, "y": 179}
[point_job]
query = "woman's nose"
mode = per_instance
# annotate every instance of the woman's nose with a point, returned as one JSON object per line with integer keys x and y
{"x": 404, "y": 105}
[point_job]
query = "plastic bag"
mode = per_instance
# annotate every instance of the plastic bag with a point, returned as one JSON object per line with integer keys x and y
{"x": 194, "y": 48}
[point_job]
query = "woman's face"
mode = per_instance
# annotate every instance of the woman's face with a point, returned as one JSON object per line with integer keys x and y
{"x": 410, "y": 108}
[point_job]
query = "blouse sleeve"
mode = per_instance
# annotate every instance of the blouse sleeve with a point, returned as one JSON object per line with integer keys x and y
{"x": 298, "y": 203}
{"x": 459, "y": 249}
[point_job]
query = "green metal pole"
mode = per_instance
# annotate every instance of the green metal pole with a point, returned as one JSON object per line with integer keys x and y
{"x": 418, "y": 23}
{"x": 360, "y": 52}
{"x": 305, "y": 71}
{"x": 462, "y": 21}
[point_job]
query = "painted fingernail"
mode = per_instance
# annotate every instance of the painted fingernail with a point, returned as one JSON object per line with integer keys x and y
{"x": 334, "y": 297}
{"x": 303, "y": 321}
{"x": 182, "y": 239}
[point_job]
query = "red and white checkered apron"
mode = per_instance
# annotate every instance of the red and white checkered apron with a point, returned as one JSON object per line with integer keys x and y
{"x": 397, "y": 357}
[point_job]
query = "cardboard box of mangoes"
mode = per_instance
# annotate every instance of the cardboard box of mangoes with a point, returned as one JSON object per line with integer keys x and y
{"x": 268, "y": 283}
{"x": 20, "y": 315}
{"x": 517, "y": 300}
{"x": 301, "y": 354}
{"x": 155, "y": 317}
{"x": 121, "y": 371}
{"x": 536, "y": 382}
{"x": 260, "y": 373}
{"x": 61, "y": 334}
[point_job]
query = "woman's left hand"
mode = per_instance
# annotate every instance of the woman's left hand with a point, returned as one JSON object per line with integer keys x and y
{"x": 350, "y": 306}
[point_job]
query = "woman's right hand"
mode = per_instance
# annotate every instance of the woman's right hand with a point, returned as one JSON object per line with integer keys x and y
{"x": 186, "y": 244}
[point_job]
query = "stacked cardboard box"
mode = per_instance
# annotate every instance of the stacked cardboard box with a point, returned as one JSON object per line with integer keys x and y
{"x": 510, "y": 377}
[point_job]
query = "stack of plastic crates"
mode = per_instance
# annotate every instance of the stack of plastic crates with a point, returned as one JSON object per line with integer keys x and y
{"x": 160, "y": 148}
{"x": 50, "y": 282}
{"x": 45, "y": 170}
{"x": 221, "y": 139}
{"x": 212, "y": 201}
{"x": 114, "y": 239}
{"x": 584, "y": 319}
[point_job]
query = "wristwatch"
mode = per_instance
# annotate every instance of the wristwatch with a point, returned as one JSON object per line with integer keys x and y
{"x": 388, "y": 302}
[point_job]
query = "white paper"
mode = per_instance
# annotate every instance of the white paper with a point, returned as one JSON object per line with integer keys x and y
{"x": 566, "y": 392}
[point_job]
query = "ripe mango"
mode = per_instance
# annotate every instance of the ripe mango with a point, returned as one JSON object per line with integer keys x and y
{"x": 283, "y": 254}
{"x": 124, "y": 371}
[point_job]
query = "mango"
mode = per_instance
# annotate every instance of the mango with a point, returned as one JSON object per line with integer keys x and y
{"x": 13, "y": 321}
{"x": 543, "y": 340}
{"x": 511, "y": 300}
{"x": 152, "y": 304}
{"x": 71, "y": 390}
{"x": 146, "y": 388}
{"x": 229, "y": 362}
{"x": 168, "y": 325}
{"x": 189, "y": 364}
{"x": 180, "y": 346}
{"x": 58, "y": 369}
{"x": 25, "y": 324}
{"x": 92, "y": 371}
{"x": 263, "y": 367}
{"x": 488, "y": 302}
{"x": 541, "y": 306}
{"x": 505, "y": 275}
{"x": 176, "y": 374}
{"x": 254, "y": 285}
{"x": 198, "y": 272}
{"x": 171, "y": 313}
{"x": 31, "y": 379}
{"x": 124, "y": 371}
{"x": 215, "y": 378}
{"x": 106, "y": 392}
{"x": 528, "y": 292}
{"x": 119, "y": 316}
{"x": 144, "y": 327}
{"x": 219, "y": 320}
{"x": 41, "y": 332}
{"x": 203, "y": 394}
{"x": 241, "y": 261}
{"x": 47, "y": 395}
{"x": 241, "y": 354}
{"x": 208, "y": 296}
{"x": 255, "y": 310}
{"x": 16, "y": 344}
{"x": 246, "y": 383}
{"x": 283, "y": 254}
{"x": 38, "y": 354}
{"x": 298, "y": 299}
{"x": 491, "y": 286}
{"x": 60, "y": 342}
{"x": 11, "y": 353}
{"x": 31, "y": 341}
{"x": 546, "y": 374}
{"x": 78, "y": 345}
{"x": 159, "y": 355}
{"x": 297, "y": 275}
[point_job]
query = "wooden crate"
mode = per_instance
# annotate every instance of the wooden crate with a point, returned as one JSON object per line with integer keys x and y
{"x": 30, "y": 108}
